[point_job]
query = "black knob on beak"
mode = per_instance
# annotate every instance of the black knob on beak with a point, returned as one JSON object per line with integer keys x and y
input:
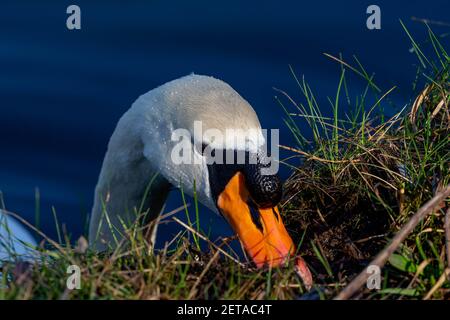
{"x": 265, "y": 190}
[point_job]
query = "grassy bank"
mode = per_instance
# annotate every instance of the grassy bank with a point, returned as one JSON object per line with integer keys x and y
{"x": 357, "y": 178}
{"x": 364, "y": 176}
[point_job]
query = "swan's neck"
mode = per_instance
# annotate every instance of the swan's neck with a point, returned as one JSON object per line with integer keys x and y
{"x": 142, "y": 146}
{"x": 128, "y": 186}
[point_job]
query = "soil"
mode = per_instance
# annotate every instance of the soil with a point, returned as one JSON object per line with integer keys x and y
{"x": 347, "y": 228}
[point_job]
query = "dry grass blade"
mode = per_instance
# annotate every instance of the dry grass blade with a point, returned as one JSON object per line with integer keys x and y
{"x": 419, "y": 271}
{"x": 312, "y": 157}
{"x": 444, "y": 277}
{"x": 447, "y": 236}
{"x": 438, "y": 108}
{"x": 192, "y": 230}
{"x": 200, "y": 277}
{"x": 171, "y": 213}
{"x": 418, "y": 102}
{"x": 384, "y": 255}
{"x": 29, "y": 225}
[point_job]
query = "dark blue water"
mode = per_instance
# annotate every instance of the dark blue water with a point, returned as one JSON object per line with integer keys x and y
{"x": 62, "y": 92}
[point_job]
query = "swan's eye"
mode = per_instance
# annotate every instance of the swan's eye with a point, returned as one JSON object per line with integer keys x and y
{"x": 204, "y": 146}
{"x": 209, "y": 150}
{"x": 201, "y": 148}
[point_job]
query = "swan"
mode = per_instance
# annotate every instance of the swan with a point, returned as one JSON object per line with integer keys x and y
{"x": 139, "y": 168}
{"x": 142, "y": 146}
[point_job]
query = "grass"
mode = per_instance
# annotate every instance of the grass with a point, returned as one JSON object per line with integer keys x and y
{"x": 176, "y": 272}
{"x": 354, "y": 184}
{"x": 362, "y": 177}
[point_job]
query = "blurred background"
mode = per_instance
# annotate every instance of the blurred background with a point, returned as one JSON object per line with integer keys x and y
{"x": 62, "y": 92}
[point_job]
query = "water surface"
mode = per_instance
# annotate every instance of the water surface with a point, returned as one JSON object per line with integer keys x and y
{"x": 63, "y": 91}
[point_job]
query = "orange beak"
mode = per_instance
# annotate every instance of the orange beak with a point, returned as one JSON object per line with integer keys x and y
{"x": 260, "y": 230}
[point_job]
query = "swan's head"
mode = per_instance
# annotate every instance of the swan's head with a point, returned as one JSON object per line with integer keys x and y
{"x": 218, "y": 125}
{"x": 243, "y": 192}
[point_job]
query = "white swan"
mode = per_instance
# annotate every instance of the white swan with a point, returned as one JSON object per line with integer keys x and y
{"x": 142, "y": 148}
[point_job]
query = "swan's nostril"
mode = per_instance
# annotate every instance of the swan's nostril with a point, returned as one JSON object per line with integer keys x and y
{"x": 255, "y": 215}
